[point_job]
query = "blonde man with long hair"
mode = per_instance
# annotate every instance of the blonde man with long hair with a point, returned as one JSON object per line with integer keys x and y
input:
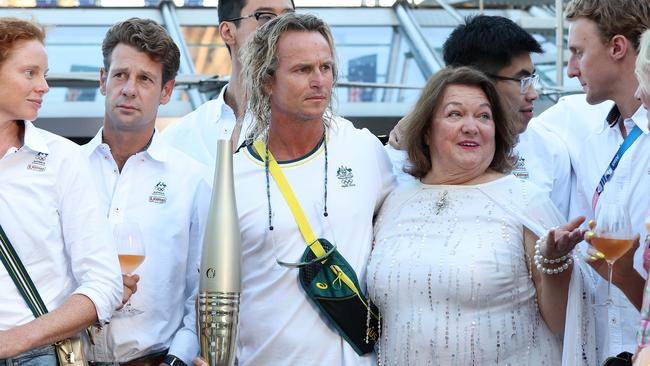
{"x": 339, "y": 175}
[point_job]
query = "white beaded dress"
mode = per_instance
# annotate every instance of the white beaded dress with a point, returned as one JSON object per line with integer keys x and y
{"x": 450, "y": 276}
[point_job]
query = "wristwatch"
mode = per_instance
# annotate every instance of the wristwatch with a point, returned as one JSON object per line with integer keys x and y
{"x": 172, "y": 360}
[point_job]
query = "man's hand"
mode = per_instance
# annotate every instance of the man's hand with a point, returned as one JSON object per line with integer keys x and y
{"x": 624, "y": 276}
{"x": 130, "y": 287}
{"x": 199, "y": 361}
{"x": 623, "y": 267}
{"x": 396, "y": 134}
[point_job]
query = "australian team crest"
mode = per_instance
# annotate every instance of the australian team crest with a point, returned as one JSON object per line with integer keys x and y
{"x": 345, "y": 175}
{"x": 158, "y": 195}
{"x": 520, "y": 170}
{"x": 38, "y": 164}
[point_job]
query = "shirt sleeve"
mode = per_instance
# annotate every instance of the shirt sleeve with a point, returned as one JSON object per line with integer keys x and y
{"x": 93, "y": 258}
{"x": 185, "y": 343}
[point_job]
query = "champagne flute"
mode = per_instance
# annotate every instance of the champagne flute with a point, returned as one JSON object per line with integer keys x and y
{"x": 613, "y": 237}
{"x": 130, "y": 252}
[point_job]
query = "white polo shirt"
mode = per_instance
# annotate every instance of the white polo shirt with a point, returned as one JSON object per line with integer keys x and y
{"x": 279, "y": 325}
{"x": 167, "y": 194}
{"x": 196, "y": 133}
{"x": 51, "y": 215}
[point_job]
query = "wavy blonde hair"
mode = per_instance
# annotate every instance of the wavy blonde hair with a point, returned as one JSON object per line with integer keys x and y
{"x": 642, "y": 68}
{"x": 260, "y": 61}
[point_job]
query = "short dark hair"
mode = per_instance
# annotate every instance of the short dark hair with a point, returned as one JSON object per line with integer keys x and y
{"x": 421, "y": 118}
{"x": 230, "y": 9}
{"x": 147, "y": 36}
{"x": 487, "y": 43}
{"x": 14, "y": 30}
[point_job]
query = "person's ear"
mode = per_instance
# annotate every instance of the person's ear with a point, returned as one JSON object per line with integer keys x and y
{"x": 619, "y": 46}
{"x": 167, "y": 90}
{"x": 103, "y": 74}
{"x": 227, "y": 31}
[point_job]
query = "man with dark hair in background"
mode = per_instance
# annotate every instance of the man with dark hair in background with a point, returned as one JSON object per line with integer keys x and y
{"x": 196, "y": 133}
{"x": 502, "y": 50}
{"x": 148, "y": 187}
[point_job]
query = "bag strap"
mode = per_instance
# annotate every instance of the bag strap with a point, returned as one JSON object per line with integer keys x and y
{"x": 299, "y": 215}
{"x": 292, "y": 201}
{"x": 19, "y": 275}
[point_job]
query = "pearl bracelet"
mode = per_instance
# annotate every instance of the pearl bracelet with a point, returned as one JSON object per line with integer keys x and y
{"x": 539, "y": 259}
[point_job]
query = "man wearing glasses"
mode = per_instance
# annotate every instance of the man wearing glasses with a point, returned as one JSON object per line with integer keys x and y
{"x": 501, "y": 49}
{"x": 195, "y": 134}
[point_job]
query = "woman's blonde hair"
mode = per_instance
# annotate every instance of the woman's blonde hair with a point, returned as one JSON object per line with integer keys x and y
{"x": 642, "y": 69}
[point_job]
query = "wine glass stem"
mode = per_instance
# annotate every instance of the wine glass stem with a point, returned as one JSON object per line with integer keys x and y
{"x": 610, "y": 267}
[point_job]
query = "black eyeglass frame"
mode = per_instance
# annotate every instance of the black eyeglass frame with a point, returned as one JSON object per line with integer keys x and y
{"x": 257, "y": 16}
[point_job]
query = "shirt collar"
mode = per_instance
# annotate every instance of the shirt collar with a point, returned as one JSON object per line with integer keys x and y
{"x": 639, "y": 117}
{"x": 34, "y": 138}
{"x": 156, "y": 150}
{"x": 224, "y": 108}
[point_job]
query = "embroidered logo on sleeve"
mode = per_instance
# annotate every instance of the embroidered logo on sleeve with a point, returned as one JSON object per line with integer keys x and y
{"x": 520, "y": 170}
{"x": 158, "y": 195}
{"x": 38, "y": 165}
{"x": 344, "y": 174}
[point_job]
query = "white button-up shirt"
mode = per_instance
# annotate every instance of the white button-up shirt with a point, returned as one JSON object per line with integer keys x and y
{"x": 592, "y": 144}
{"x": 196, "y": 133}
{"x": 166, "y": 193}
{"x": 572, "y": 119}
{"x": 51, "y": 215}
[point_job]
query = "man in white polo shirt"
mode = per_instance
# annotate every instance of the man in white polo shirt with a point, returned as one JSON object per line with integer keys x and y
{"x": 339, "y": 174}
{"x": 144, "y": 181}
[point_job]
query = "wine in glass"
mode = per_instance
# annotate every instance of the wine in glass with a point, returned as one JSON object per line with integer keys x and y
{"x": 613, "y": 237}
{"x": 130, "y": 252}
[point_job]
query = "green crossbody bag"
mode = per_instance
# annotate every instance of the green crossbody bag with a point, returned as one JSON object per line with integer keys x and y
{"x": 327, "y": 278}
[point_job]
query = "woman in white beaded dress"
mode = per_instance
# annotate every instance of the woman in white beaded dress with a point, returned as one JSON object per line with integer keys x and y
{"x": 457, "y": 269}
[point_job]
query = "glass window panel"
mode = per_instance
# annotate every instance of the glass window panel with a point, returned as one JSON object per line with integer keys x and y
{"x": 364, "y": 55}
{"x": 436, "y": 37}
{"x": 208, "y": 52}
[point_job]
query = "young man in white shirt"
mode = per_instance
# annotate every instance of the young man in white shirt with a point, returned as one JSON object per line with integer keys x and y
{"x": 502, "y": 50}
{"x": 603, "y": 41}
{"x": 144, "y": 181}
{"x": 196, "y": 133}
{"x": 339, "y": 174}
{"x": 50, "y": 215}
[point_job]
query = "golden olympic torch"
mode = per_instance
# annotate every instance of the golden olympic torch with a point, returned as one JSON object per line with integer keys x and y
{"x": 220, "y": 283}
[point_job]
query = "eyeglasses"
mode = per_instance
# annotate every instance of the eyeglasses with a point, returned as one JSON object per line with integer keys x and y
{"x": 524, "y": 83}
{"x": 262, "y": 17}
